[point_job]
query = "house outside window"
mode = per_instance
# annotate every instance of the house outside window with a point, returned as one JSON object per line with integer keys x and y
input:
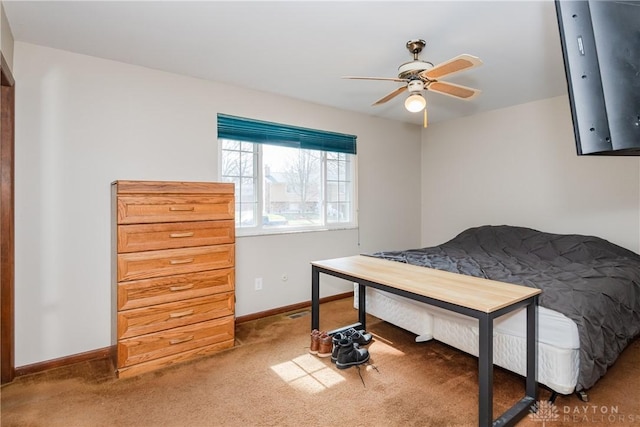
{"x": 284, "y": 186}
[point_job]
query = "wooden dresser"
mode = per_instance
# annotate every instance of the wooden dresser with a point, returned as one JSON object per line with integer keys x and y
{"x": 173, "y": 251}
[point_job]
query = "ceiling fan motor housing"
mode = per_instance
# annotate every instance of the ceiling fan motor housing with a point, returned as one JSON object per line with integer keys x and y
{"x": 413, "y": 68}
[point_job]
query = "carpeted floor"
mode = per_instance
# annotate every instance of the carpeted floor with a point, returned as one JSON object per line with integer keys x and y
{"x": 270, "y": 379}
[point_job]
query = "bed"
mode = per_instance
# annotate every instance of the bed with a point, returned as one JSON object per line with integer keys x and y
{"x": 589, "y": 309}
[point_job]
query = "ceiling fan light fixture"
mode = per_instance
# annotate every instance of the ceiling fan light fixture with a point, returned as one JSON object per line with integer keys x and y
{"x": 415, "y": 103}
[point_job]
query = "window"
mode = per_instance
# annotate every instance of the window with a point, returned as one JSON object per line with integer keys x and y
{"x": 287, "y": 178}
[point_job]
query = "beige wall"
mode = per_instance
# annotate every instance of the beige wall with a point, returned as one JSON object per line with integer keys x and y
{"x": 519, "y": 166}
{"x": 83, "y": 122}
{"x": 6, "y": 38}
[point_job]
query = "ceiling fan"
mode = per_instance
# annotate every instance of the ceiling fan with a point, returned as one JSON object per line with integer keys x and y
{"x": 422, "y": 75}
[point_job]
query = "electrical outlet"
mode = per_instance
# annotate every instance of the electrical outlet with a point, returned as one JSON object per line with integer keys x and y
{"x": 258, "y": 283}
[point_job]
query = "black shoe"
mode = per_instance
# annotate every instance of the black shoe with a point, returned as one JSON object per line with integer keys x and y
{"x": 350, "y": 355}
{"x": 336, "y": 346}
{"x": 358, "y": 337}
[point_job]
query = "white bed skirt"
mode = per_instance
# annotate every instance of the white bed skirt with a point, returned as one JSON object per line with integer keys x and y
{"x": 558, "y": 343}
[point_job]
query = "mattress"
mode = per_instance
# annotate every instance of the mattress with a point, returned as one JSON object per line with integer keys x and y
{"x": 558, "y": 341}
{"x": 593, "y": 282}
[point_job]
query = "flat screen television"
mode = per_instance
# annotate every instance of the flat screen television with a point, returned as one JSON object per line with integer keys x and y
{"x": 601, "y": 48}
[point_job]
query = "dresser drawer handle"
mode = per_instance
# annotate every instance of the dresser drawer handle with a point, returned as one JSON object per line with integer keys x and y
{"x": 180, "y": 340}
{"x": 181, "y": 261}
{"x": 181, "y": 288}
{"x": 181, "y": 314}
{"x": 178, "y": 235}
{"x": 181, "y": 208}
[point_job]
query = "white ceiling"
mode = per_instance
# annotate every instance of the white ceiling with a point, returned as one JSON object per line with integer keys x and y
{"x": 301, "y": 48}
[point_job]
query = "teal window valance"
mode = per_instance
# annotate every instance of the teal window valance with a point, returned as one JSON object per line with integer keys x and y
{"x": 261, "y": 132}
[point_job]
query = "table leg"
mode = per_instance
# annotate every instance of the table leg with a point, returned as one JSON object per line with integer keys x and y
{"x": 362, "y": 306}
{"x": 315, "y": 298}
{"x": 485, "y": 371}
{"x": 532, "y": 349}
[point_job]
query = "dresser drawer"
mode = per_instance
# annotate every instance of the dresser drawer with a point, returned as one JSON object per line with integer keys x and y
{"x": 174, "y": 359}
{"x": 170, "y": 235}
{"x": 152, "y": 346}
{"x": 142, "y": 293}
{"x": 144, "y": 265}
{"x": 165, "y": 316}
{"x": 151, "y": 209}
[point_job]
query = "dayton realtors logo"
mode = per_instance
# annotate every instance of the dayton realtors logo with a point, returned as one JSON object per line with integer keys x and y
{"x": 544, "y": 411}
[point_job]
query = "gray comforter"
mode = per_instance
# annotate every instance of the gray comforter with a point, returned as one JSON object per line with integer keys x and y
{"x": 590, "y": 280}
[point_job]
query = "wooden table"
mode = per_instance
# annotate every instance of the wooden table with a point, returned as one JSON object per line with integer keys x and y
{"x": 480, "y": 298}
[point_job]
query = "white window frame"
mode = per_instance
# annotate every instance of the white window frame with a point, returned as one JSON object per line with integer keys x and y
{"x": 259, "y": 228}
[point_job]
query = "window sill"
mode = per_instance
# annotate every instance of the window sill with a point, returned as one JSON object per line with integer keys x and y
{"x": 258, "y": 233}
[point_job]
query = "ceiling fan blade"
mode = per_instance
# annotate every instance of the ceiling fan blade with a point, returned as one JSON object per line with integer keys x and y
{"x": 456, "y": 91}
{"x": 454, "y": 65}
{"x": 393, "y": 79}
{"x": 390, "y": 96}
